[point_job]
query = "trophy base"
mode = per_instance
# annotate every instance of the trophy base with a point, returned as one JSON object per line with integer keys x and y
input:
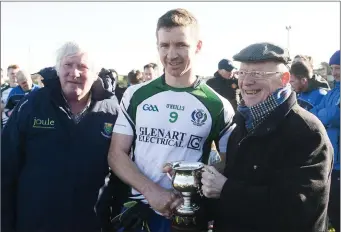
{"x": 184, "y": 223}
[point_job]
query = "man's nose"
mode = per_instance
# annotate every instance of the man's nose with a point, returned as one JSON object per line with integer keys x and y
{"x": 248, "y": 80}
{"x": 172, "y": 53}
{"x": 75, "y": 72}
{"x": 334, "y": 72}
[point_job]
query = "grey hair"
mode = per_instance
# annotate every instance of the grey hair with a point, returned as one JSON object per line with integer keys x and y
{"x": 73, "y": 48}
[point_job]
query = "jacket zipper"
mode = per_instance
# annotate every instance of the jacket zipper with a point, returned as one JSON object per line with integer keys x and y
{"x": 248, "y": 135}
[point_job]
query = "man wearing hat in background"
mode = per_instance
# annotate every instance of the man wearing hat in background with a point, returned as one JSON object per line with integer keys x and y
{"x": 225, "y": 83}
{"x": 278, "y": 158}
{"x": 328, "y": 111}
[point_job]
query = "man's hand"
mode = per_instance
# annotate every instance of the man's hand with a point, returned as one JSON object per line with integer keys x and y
{"x": 167, "y": 168}
{"x": 212, "y": 182}
{"x": 163, "y": 201}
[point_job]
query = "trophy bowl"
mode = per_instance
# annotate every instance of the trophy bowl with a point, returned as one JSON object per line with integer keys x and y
{"x": 187, "y": 181}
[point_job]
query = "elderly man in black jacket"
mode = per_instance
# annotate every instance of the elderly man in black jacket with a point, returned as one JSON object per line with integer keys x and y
{"x": 279, "y": 157}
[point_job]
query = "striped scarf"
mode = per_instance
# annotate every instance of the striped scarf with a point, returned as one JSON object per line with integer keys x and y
{"x": 256, "y": 114}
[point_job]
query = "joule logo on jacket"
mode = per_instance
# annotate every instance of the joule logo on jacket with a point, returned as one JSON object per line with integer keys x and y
{"x": 43, "y": 123}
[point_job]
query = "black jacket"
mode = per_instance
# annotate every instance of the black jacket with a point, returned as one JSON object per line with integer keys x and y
{"x": 317, "y": 82}
{"x": 52, "y": 168}
{"x": 119, "y": 91}
{"x": 228, "y": 88}
{"x": 278, "y": 174}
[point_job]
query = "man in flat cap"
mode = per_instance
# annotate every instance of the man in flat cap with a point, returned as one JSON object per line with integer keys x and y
{"x": 278, "y": 158}
{"x": 225, "y": 83}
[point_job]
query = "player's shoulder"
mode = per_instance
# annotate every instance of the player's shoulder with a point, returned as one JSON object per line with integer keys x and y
{"x": 131, "y": 90}
{"x": 141, "y": 91}
{"x": 212, "y": 95}
{"x": 214, "y": 101}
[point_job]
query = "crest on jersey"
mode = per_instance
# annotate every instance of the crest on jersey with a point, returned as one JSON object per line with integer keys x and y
{"x": 107, "y": 129}
{"x": 199, "y": 117}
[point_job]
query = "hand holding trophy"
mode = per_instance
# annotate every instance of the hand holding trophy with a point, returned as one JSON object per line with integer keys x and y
{"x": 186, "y": 180}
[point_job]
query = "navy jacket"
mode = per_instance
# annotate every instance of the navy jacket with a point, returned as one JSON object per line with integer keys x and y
{"x": 52, "y": 168}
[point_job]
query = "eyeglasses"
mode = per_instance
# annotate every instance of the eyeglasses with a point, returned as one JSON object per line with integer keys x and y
{"x": 255, "y": 74}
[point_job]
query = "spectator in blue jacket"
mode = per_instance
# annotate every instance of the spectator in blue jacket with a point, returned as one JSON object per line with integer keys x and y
{"x": 328, "y": 111}
{"x": 309, "y": 88}
{"x": 25, "y": 86}
{"x": 57, "y": 141}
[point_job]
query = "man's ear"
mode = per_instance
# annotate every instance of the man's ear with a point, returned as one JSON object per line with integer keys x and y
{"x": 304, "y": 80}
{"x": 285, "y": 78}
{"x": 199, "y": 45}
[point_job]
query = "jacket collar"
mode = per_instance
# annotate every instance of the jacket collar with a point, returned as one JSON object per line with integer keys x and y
{"x": 317, "y": 82}
{"x": 218, "y": 76}
{"x": 98, "y": 90}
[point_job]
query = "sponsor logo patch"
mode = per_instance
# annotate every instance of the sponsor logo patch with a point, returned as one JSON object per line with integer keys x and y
{"x": 149, "y": 107}
{"x": 43, "y": 123}
{"x": 194, "y": 142}
{"x": 161, "y": 136}
{"x": 107, "y": 130}
{"x": 199, "y": 117}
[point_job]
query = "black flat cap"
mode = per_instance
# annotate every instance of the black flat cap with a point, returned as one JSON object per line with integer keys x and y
{"x": 259, "y": 52}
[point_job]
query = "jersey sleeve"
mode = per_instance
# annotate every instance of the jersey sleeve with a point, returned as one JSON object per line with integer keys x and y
{"x": 224, "y": 125}
{"x": 124, "y": 123}
{"x": 11, "y": 93}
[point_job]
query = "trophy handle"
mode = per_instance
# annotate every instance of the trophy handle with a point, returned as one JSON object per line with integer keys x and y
{"x": 171, "y": 165}
{"x": 169, "y": 176}
{"x": 199, "y": 185}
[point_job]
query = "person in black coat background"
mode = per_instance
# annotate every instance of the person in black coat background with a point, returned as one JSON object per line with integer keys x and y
{"x": 225, "y": 83}
{"x": 278, "y": 159}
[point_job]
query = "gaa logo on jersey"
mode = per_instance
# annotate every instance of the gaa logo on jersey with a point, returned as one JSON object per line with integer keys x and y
{"x": 150, "y": 107}
{"x": 199, "y": 117}
{"x": 107, "y": 130}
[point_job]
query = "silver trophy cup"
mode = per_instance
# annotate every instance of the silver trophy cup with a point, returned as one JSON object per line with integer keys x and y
{"x": 186, "y": 180}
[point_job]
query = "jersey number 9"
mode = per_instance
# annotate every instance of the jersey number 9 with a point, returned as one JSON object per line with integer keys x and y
{"x": 173, "y": 117}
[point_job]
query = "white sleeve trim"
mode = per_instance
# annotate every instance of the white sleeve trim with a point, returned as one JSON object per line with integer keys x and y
{"x": 223, "y": 141}
{"x": 124, "y": 123}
